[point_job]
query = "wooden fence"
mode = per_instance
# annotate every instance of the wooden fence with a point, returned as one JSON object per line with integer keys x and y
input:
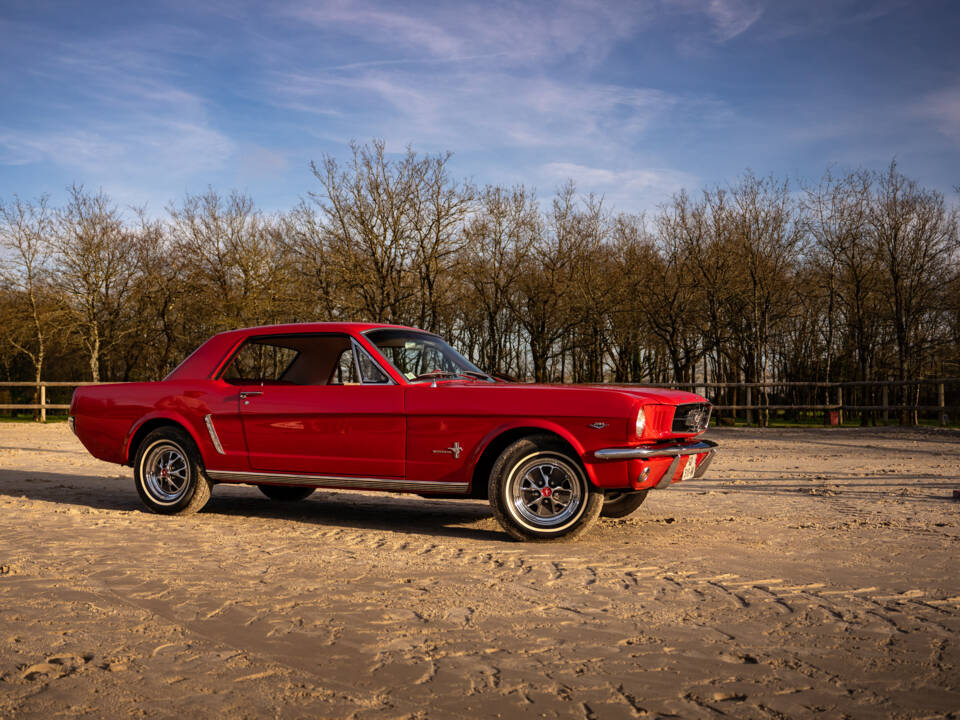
{"x": 40, "y": 390}
{"x": 939, "y": 396}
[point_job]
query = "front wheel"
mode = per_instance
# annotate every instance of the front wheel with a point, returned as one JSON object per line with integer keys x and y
{"x": 168, "y": 473}
{"x": 621, "y": 504}
{"x": 539, "y": 491}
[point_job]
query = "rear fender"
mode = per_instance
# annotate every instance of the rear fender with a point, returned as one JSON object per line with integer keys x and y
{"x": 169, "y": 417}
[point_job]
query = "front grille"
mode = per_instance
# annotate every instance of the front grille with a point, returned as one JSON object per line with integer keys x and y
{"x": 691, "y": 418}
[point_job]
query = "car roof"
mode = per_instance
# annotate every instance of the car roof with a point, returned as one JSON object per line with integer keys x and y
{"x": 206, "y": 358}
{"x": 309, "y": 327}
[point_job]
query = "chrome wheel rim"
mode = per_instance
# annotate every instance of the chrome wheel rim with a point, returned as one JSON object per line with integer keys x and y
{"x": 546, "y": 492}
{"x": 166, "y": 473}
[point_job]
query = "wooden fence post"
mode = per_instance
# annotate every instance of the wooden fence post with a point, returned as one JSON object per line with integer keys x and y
{"x": 885, "y": 395}
{"x": 940, "y": 401}
{"x": 840, "y": 404}
{"x": 749, "y": 403}
{"x": 43, "y": 403}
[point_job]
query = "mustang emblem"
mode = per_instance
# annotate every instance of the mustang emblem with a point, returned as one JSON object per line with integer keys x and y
{"x": 454, "y": 450}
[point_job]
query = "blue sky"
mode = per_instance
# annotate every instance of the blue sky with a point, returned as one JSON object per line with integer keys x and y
{"x": 633, "y": 100}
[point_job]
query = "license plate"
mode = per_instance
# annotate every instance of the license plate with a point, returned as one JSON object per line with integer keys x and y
{"x": 690, "y": 468}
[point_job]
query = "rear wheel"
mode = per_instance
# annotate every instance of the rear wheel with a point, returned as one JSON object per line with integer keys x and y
{"x": 621, "y": 504}
{"x": 539, "y": 491}
{"x": 168, "y": 473}
{"x": 286, "y": 493}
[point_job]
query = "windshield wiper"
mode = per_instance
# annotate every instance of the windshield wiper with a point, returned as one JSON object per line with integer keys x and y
{"x": 433, "y": 375}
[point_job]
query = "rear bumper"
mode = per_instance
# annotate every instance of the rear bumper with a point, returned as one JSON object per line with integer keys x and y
{"x": 649, "y": 467}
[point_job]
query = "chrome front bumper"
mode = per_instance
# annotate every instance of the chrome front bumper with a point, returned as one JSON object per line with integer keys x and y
{"x": 674, "y": 451}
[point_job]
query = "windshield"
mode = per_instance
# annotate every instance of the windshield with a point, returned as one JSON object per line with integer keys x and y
{"x": 420, "y": 356}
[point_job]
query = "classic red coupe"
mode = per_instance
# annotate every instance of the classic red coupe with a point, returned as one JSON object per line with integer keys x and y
{"x": 291, "y": 408}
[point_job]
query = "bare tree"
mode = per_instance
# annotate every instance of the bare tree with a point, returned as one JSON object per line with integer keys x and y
{"x": 438, "y": 210}
{"x": 25, "y": 232}
{"x": 837, "y": 218}
{"x": 767, "y": 241}
{"x": 497, "y": 244}
{"x": 916, "y": 241}
{"x": 95, "y": 268}
{"x": 368, "y": 218}
{"x": 234, "y": 266}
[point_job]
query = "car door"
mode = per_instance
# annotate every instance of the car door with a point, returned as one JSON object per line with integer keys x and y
{"x": 321, "y": 406}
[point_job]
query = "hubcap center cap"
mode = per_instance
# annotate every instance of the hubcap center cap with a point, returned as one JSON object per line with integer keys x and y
{"x": 546, "y": 492}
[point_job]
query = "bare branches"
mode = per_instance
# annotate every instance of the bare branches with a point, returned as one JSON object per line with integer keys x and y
{"x": 854, "y": 277}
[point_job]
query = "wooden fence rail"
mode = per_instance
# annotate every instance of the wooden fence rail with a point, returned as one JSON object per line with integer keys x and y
{"x": 749, "y": 405}
{"x": 41, "y": 388}
{"x": 884, "y": 406}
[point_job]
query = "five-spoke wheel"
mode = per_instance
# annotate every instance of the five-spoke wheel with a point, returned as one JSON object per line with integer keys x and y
{"x": 539, "y": 491}
{"x": 169, "y": 473}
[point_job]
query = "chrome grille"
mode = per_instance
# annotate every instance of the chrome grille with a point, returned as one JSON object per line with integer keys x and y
{"x": 691, "y": 418}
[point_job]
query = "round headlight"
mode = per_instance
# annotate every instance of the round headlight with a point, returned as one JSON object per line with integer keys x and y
{"x": 641, "y": 422}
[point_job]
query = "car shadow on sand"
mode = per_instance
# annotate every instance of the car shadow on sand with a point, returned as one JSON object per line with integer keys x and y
{"x": 342, "y": 510}
{"x": 900, "y": 487}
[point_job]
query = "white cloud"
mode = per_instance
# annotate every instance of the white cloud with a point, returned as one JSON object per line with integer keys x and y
{"x": 944, "y": 109}
{"x": 469, "y": 109}
{"x": 159, "y": 147}
{"x": 634, "y": 189}
{"x": 127, "y": 117}
{"x": 726, "y": 18}
{"x": 732, "y": 17}
{"x": 517, "y": 30}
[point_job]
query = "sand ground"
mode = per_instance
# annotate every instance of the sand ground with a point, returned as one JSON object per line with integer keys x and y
{"x": 810, "y": 572}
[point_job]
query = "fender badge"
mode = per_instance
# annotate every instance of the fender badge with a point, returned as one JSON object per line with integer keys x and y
{"x": 454, "y": 450}
{"x": 597, "y": 425}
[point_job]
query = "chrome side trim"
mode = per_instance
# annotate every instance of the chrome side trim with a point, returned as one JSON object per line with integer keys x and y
{"x": 340, "y": 481}
{"x": 652, "y": 452}
{"x": 208, "y": 421}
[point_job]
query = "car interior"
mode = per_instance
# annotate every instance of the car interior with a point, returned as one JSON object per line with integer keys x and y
{"x": 322, "y": 359}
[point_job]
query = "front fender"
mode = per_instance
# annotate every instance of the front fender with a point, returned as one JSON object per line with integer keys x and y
{"x": 533, "y": 424}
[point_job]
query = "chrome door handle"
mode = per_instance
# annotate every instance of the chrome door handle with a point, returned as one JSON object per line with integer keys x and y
{"x": 249, "y": 393}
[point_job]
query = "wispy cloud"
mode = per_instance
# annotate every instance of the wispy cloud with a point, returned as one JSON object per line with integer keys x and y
{"x": 517, "y": 30}
{"x": 726, "y": 19}
{"x": 630, "y": 189}
{"x": 470, "y": 108}
{"x": 128, "y": 116}
{"x": 943, "y": 108}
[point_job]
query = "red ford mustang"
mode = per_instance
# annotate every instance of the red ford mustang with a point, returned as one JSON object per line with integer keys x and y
{"x": 291, "y": 408}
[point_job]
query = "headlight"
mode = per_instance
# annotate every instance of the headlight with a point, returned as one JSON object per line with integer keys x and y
{"x": 641, "y": 422}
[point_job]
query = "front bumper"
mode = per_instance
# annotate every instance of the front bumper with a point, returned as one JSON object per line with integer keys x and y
{"x": 707, "y": 448}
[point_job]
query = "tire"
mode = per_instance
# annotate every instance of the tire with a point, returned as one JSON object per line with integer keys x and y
{"x": 286, "y": 493}
{"x": 621, "y": 504}
{"x": 168, "y": 472}
{"x": 516, "y": 491}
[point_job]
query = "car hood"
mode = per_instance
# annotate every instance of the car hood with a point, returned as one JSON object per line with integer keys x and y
{"x": 665, "y": 396}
